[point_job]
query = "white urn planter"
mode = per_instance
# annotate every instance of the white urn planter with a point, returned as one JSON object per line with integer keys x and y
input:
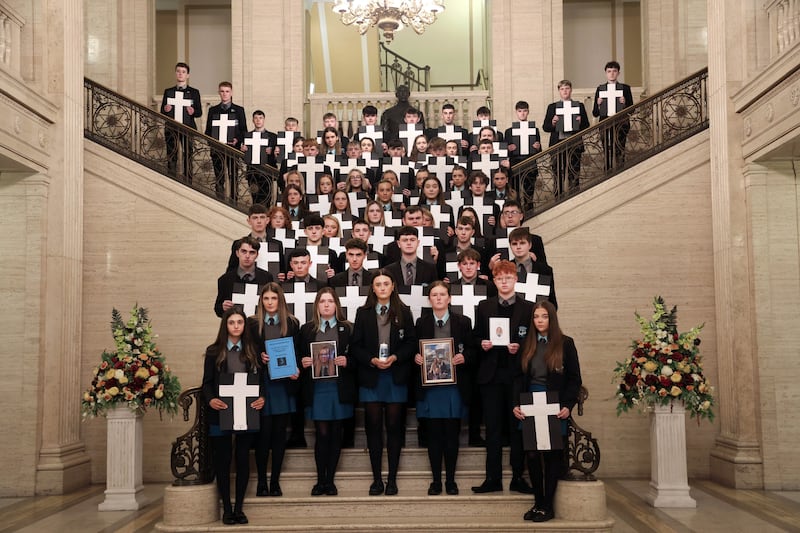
{"x": 124, "y": 488}
{"x": 669, "y": 484}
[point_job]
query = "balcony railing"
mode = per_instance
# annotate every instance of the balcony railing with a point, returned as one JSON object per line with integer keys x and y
{"x": 11, "y": 24}
{"x": 784, "y": 25}
{"x": 175, "y": 150}
{"x": 613, "y": 145}
{"x": 397, "y": 70}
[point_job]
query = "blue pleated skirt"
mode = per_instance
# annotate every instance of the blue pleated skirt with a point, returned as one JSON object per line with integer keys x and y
{"x": 278, "y": 400}
{"x": 442, "y": 401}
{"x": 326, "y": 404}
{"x": 385, "y": 391}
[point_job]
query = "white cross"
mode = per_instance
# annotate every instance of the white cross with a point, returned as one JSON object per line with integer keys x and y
{"x": 531, "y": 287}
{"x": 442, "y": 168}
{"x": 487, "y": 164}
{"x": 286, "y": 237}
{"x": 178, "y": 103}
{"x": 451, "y": 132}
{"x": 319, "y": 255}
{"x": 351, "y": 298}
{"x": 240, "y": 391}
{"x": 335, "y": 244}
{"x": 502, "y": 244}
{"x": 255, "y": 142}
{"x": 400, "y": 166}
{"x": 427, "y": 241}
{"x": 414, "y": 297}
{"x": 299, "y": 300}
{"x": 380, "y": 238}
{"x": 373, "y": 132}
{"x": 540, "y": 410}
{"x": 358, "y": 203}
{"x": 268, "y": 257}
{"x": 371, "y": 162}
{"x": 483, "y": 210}
{"x": 344, "y": 225}
{"x": 611, "y": 94}
{"x": 248, "y": 299}
{"x": 391, "y": 221}
{"x": 311, "y": 168}
{"x": 223, "y": 123}
{"x": 467, "y": 297}
{"x": 478, "y": 125}
{"x": 500, "y": 149}
{"x": 320, "y": 203}
{"x": 334, "y": 163}
{"x": 291, "y": 159}
{"x": 407, "y": 134}
{"x": 568, "y": 114}
{"x": 346, "y": 165}
{"x": 397, "y": 197}
{"x": 455, "y": 200}
{"x": 440, "y": 220}
{"x": 524, "y": 130}
{"x": 286, "y": 142}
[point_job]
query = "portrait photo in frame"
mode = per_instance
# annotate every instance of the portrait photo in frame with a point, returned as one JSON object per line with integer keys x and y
{"x": 437, "y": 361}
{"x": 323, "y": 355}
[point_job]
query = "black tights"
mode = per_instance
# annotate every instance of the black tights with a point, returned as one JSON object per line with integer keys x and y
{"x": 272, "y": 437}
{"x": 221, "y": 453}
{"x": 545, "y": 468}
{"x": 443, "y": 440}
{"x": 327, "y": 449}
{"x": 394, "y": 436}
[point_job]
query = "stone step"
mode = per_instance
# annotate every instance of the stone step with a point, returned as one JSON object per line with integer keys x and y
{"x": 580, "y": 507}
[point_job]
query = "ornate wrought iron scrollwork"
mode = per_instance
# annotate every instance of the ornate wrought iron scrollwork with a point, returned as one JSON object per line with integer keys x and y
{"x": 175, "y": 150}
{"x": 613, "y": 145}
{"x": 582, "y": 452}
{"x": 190, "y": 459}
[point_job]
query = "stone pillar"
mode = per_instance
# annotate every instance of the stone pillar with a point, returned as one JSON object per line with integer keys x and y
{"x": 124, "y": 443}
{"x": 736, "y": 459}
{"x": 63, "y": 463}
{"x": 669, "y": 481}
{"x": 526, "y": 55}
{"x": 269, "y": 61}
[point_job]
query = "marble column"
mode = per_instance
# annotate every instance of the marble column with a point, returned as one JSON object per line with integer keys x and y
{"x": 736, "y": 458}
{"x": 63, "y": 463}
{"x": 669, "y": 481}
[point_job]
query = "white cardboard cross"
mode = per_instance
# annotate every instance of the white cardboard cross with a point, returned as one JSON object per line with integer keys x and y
{"x": 525, "y": 130}
{"x": 611, "y": 93}
{"x": 531, "y": 287}
{"x": 568, "y": 112}
{"x": 178, "y": 103}
{"x": 248, "y": 299}
{"x": 311, "y": 168}
{"x": 351, "y": 298}
{"x": 299, "y": 300}
{"x": 255, "y": 142}
{"x": 240, "y": 391}
{"x": 414, "y": 297}
{"x": 467, "y": 298}
{"x": 223, "y": 123}
{"x": 540, "y": 410}
{"x": 407, "y": 134}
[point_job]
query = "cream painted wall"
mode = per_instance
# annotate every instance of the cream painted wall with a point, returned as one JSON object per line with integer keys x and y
{"x": 643, "y": 233}
{"x": 155, "y": 242}
{"x": 208, "y": 46}
{"x": 166, "y": 48}
{"x": 588, "y": 40}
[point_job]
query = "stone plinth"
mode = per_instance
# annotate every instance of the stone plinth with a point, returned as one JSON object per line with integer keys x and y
{"x": 669, "y": 484}
{"x": 123, "y": 461}
{"x": 580, "y": 501}
{"x": 191, "y": 505}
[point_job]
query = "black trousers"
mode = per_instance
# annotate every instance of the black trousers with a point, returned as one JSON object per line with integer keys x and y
{"x": 224, "y": 170}
{"x": 179, "y": 148}
{"x": 614, "y": 139}
{"x": 498, "y": 406}
{"x": 566, "y": 164}
{"x": 545, "y": 469}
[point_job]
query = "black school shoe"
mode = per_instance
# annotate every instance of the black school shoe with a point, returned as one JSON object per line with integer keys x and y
{"x": 240, "y": 517}
{"x": 376, "y": 489}
{"x": 518, "y": 484}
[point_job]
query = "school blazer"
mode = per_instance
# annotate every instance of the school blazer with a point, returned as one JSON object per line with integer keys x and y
{"x": 293, "y": 330}
{"x": 342, "y": 279}
{"x": 191, "y": 94}
{"x": 346, "y": 382}
{"x": 225, "y": 286}
{"x": 566, "y": 380}
{"x": 214, "y": 113}
{"x": 547, "y": 125}
{"x": 520, "y": 324}
{"x": 402, "y": 343}
{"x": 211, "y": 375}
{"x": 461, "y": 331}
{"x": 426, "y": 273}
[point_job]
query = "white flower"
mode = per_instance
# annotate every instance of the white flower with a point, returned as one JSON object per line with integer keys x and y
{"x": 153, "y": 380}
{"x": 705, "y": 405}
{"x": 669, "y": 361}
{"x": 696, "y": 377}
{"x": 661, "y": 333}
{"x": 119, "y": 374}
{"x": 666, "y": 371}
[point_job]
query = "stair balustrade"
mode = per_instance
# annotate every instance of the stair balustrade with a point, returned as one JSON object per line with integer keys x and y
{"x": 140, "y": 133}
{"x": 613, "y": 145}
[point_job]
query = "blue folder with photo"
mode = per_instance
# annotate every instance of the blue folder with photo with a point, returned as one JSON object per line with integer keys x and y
{"x": 282, "y": 360}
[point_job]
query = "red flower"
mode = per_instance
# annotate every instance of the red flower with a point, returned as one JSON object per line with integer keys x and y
{"x": 664, "y": 380}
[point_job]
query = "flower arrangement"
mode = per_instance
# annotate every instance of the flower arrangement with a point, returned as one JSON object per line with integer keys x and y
{"x": 135, "y": 374}
{"x": 665, "y": 366}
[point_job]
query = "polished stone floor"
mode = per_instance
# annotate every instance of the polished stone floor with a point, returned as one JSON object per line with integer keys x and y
{"x": 719, "y": 509}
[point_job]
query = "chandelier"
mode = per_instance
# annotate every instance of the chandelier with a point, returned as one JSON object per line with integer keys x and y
{"x": 388, "y": 15}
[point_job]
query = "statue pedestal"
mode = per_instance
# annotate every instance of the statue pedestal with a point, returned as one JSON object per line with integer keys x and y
{"x": 123, "y": 461}
{"x": 669, "y": 485}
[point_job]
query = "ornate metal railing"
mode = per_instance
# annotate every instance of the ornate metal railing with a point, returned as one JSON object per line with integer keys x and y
{"x": 190, "y": 459}
{"x": 613, "y": 145}
{"x": 175, "y": 150}
{"x": 582, "y": 452}
{"x": 397, "y": 70}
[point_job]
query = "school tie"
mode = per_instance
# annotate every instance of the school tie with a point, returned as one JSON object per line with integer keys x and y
{"x": 294, "y": 212}
{"x": 440, "y": 323}
{"x": 504, "y": 303}
{"x": 383, "y": 310}
{"x": 521, "y": 272}
{"x": 355, "y": 278}
{"x": 326, "y": 326}
{"x": 387, "y": 207}
{"x": 271, "y": 322}
{"x": 247, "y": 277}
{"x": 409, "y": 277}
{"x": 542, "y": 340}
{"x": 235, "y": 348}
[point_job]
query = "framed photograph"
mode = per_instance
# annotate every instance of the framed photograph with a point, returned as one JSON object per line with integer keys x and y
{"x": 437, "y": 361}
{"x": 323, "y": 355}
{"x": 500, "y": 331}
